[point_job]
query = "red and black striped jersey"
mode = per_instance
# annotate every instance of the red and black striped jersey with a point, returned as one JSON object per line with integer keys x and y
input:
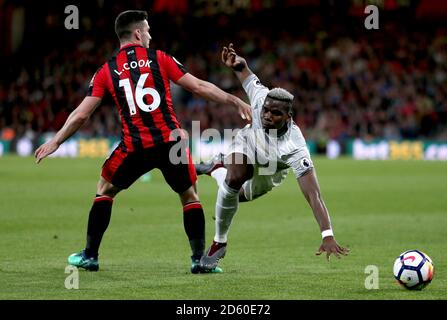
{"x": 138, "y": 81}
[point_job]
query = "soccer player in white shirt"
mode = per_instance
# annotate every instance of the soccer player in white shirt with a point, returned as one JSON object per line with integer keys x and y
{"x": 259, "y": 158}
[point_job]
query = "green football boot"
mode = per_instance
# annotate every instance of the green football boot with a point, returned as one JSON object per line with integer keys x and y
{"x": 80, "y": 260}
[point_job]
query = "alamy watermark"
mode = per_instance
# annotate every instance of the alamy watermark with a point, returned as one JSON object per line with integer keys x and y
{"x": 72, "y": 280}
{"x": 72, "y": 20}
{"x": 258, "y": 145}
{"x": 372, "y": 21}
{"x": 372, "y": 280}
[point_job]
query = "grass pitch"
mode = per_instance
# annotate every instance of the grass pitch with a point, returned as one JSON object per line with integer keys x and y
{"x": 378, "y": 210}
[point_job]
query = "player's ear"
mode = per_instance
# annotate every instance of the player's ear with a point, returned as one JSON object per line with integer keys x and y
{"x": 290, "y": 112}
{"x": 137, "y": 34}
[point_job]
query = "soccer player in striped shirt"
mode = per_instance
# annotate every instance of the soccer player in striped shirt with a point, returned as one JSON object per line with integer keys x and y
{"x": 138, "y": 78}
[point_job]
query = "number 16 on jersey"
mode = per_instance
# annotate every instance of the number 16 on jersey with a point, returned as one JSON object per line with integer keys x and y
{"x": 140, "y": 92}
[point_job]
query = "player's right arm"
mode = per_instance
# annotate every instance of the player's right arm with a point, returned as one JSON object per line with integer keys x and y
{"x": 78, "y": 117}
{"x": 235, "y": 62}
{"x": 75, "y": 120}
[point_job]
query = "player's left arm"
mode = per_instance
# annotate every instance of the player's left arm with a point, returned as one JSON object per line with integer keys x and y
{"x": 309, "y": 186}
{"x": 75, "y": 120}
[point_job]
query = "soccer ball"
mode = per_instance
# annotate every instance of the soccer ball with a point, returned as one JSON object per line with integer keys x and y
{"x": 413, "y": 269}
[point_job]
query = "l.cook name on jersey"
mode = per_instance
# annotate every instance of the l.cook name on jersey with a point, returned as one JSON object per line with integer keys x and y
{"x": 134, "y": 64}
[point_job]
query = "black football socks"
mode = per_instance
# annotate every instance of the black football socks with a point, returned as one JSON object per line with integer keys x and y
{"x": 194, "y": 223}
{"x": 98, "y": 221}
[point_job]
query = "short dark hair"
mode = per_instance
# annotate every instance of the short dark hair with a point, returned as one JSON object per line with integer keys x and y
{"x": 125, "y": 21}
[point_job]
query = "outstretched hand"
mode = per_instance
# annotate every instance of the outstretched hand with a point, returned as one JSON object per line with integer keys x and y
{"x": 231, "y": 59}
{"x": 45, "y": 150}
{"x": 237, "y": 63}
{"x": 330, "y": 246}
{"x": 244, "y": 111}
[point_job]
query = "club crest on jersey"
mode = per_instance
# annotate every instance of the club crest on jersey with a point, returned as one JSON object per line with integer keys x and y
{"x": 257, "y": 83}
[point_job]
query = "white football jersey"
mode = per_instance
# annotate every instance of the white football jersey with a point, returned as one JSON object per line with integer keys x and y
{"x": 266, "y": 151}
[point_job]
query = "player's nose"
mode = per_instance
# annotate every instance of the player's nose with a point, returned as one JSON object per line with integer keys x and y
{"x": 267, "y": 115}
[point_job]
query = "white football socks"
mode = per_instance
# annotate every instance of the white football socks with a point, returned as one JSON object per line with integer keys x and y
{"x": 226, "y": 206}
{"x": 219, "y": 175}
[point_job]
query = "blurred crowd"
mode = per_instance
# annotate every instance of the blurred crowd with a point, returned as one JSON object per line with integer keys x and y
{"x": 347, "y": 82}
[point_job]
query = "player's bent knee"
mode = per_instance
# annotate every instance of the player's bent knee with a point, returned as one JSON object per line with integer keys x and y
{"x": 235, "y": 181}
{"x": 190, "y": 195}
{"x": 237, "y": 175}
{"x": 105, "y": 188}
